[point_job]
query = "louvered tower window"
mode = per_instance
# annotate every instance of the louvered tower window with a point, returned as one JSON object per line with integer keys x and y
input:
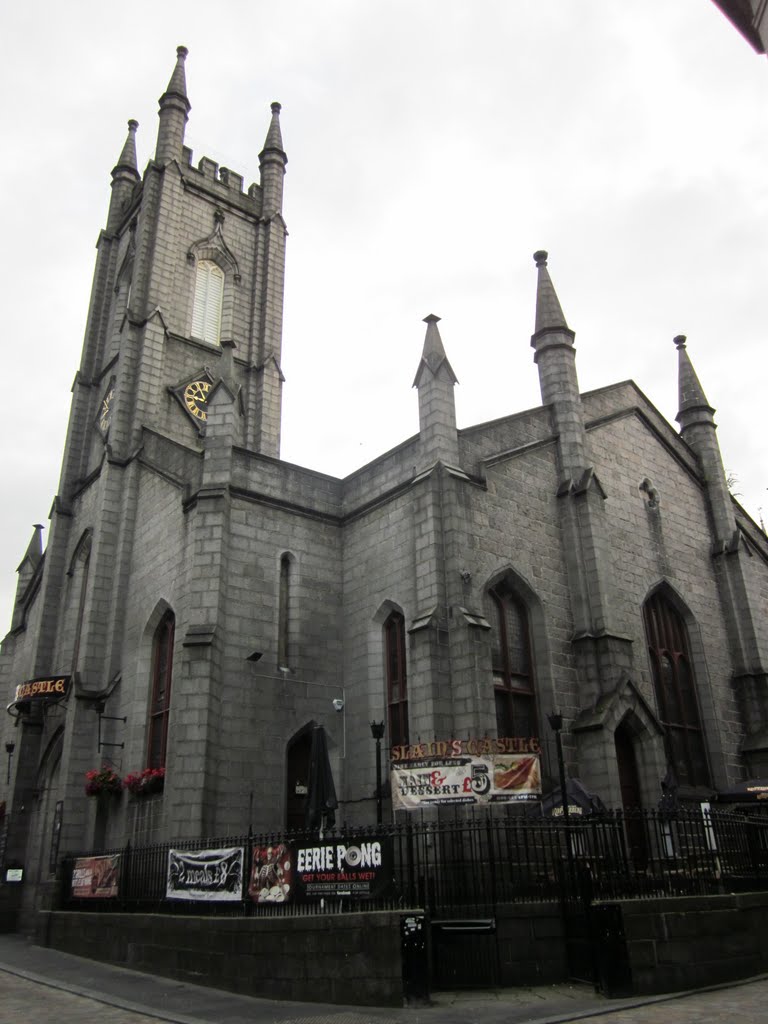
{"x": 209, "y": 292}
{"x": 513, "y": 683}
{"x": 675, "y": 688}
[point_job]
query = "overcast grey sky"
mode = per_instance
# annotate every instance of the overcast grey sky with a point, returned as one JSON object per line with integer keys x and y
{"x": 433, "y": 145}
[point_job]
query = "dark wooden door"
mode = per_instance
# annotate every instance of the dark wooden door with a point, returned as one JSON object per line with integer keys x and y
{"x": 297, "y": 780}
{"x": 629, "y": 780}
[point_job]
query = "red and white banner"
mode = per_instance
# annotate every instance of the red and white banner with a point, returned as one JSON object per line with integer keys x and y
{"x": 492, "y": 779}
{"x": 95, "y": 877}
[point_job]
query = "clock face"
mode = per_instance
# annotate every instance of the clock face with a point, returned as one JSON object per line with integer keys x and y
{"x": 195, "y": 397}
{"x": 105, "y": 411}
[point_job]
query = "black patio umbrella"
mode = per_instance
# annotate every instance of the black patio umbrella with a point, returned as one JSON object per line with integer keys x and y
{"x": 321, "y": 797}
{"x": 580, "y": 801}
{"x": 751, "y": 791}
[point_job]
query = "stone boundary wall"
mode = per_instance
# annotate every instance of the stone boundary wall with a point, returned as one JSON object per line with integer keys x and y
{"x": 687, "y": 942}
{"x": 343, "y": 958}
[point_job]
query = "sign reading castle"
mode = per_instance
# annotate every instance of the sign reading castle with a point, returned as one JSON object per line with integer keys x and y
{"x": 49, "y": 689}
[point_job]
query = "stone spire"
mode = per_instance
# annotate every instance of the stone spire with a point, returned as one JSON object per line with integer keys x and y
{"x": 174, "y": 112}
{"x": 555, "y": 358}
{"x": 272, "y": 161}
{"x": 698, "y": 429}
{"x": 26, "y": 571}
{"x": 433, "y": 357}
{"x": 435, "y": 380}
{"x": 34, "y": 550}
{"x": 549, "y": 313}
{"x": 690, "y": 392}
{"x": 125, "y": 174}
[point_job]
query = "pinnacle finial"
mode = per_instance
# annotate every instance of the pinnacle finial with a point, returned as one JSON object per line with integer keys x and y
{"x": 433, "y": 354}
{"x": 274, "y": 139}
{"x": 127, "y": 159}
{"x": 680, "y": 340}
{"x": 549, "y": 314}
{"x": 178, "y": 82}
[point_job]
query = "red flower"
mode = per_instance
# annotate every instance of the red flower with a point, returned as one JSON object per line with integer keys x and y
{"x": 146, "y": 782}
{"x": 102, "y": 780}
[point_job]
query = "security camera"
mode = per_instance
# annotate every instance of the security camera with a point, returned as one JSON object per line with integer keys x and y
{"x": 338, "y": 704}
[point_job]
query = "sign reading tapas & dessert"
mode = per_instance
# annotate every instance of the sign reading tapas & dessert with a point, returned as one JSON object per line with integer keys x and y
{"x": 471, "y": 771}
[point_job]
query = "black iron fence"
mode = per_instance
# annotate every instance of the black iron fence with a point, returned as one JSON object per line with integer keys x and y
{"x": 463, "y": 866}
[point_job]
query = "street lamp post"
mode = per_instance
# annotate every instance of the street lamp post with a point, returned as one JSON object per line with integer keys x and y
{"x": 377, "y": 731}
{"x": 555, "y": 720}
{"x": 9, "y": 749}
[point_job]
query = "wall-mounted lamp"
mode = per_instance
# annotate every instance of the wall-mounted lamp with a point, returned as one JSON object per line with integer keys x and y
{"x": 9, "y": 749}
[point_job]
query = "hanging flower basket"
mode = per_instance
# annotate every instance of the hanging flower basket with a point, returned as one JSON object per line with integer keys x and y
{"x": 151, "y": 780}
{"x": 103, "y": 781}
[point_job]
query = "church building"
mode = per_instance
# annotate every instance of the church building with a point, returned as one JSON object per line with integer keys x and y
{"x": 200, "y": 606}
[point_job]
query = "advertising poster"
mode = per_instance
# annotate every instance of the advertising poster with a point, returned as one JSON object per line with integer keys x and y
{"x": 465, "y": 772}
{"x": 205, "y": 874}
{"x": 96, "y": 877}
{"x": 272, "y": 874}
{"x": 361, "y": 868}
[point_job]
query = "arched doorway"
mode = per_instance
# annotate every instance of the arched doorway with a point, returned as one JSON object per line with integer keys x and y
{"x": 297, "y": 777}
{"x": 631, "y": 798}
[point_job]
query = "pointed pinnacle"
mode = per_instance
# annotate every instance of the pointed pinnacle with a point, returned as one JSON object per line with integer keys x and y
{"x": 433, "y": 354}
{"x": 127, "y": 159}
{"x": 549, "y": 313}
{"x": 690, "y": 392}
{"x": 177, "y": 86}
{"x": 274, "y": 139}
{"x": 34, "y": 550}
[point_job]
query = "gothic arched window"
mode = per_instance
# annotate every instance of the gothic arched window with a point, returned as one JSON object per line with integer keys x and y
{"x": 513, "y": 681}
{"x": 160, "y": 704}
{"x": 284, "y": 623}
{"x": 397, "y": 690}
{"x": 675, "y": 688}
{"x": 209, "y": 293}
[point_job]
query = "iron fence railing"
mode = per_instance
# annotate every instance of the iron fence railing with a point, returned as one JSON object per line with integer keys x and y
{"x": 467, "y": 866}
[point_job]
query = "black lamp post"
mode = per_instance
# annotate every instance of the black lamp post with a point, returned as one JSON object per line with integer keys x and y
{"x": 9, "y": 749}
{"x": 377, "y": 731}
{"x": 555, "y": 719}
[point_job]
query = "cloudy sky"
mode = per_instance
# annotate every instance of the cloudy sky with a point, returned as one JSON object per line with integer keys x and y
{"x": 433, "y": 145}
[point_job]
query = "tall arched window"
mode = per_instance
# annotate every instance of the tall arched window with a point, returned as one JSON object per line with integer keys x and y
{"x": 513, "y": 682}
{"x": 209, "y": 293}
{"x": 284, "y": 614}
{"x": 397, "y": 689}
{"x": 675, "y": 690}
{"x": 160, "y": 705}
{"x": 81, "y": 565}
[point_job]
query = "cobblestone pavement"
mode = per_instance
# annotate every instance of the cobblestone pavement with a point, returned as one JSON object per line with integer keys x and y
{"x": 69, "y": 990}
{"x": 23, "y": 1001}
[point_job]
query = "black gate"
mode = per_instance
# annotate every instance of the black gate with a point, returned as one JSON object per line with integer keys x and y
{"x": 464, "y": 954}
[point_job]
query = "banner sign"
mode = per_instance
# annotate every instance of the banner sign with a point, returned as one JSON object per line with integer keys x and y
{"x": 205, "y": 874}
{"x": 96, "y": 877}
{"x": 271, "y": 874}
{"x": 361, "y": 868}
{"x": 465, "y": 777}
{"x": 46, "y": 690}
{"x": 485, "y": 747}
